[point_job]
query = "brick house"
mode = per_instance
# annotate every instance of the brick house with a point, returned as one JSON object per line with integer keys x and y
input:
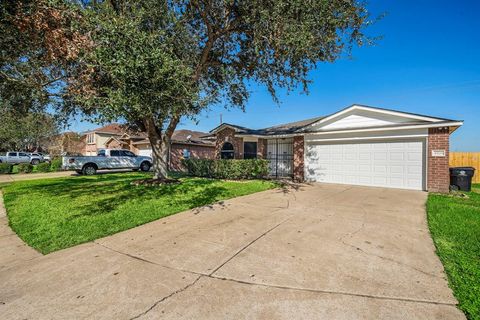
{"x": 358, "y": 145}
{"x": 95, "y": 139}
{"x": 184, "y": 144}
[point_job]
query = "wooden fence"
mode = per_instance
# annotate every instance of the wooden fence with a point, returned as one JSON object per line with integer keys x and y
{"x": 467, "y": 159}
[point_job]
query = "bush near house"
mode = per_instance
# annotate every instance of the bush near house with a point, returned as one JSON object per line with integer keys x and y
{"x": 6, "y": 168}
{"x": 56, "y": 164}
{"x": 227, "y": 169}
{"x": 25, "y": 168}
{"x": 43, "y": 167}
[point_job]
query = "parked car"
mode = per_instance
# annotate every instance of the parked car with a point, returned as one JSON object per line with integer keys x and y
{"x": 15, "y": 157}
{"x": 107, "y": 159}
{"x": 41, "y": 156}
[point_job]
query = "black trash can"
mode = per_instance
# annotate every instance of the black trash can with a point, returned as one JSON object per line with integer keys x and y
{"x": 461, "y": 178}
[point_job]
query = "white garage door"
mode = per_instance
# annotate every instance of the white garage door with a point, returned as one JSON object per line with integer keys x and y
{"x": 395, "y": 164}
{"x": 145, "y": 152}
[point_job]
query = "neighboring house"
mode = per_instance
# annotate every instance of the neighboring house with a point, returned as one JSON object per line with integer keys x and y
{"x": 358, "y": 145}
{"x": 95, "y": 139}
{"x": 70, "y": 143}
{"x": 184, "y": 144}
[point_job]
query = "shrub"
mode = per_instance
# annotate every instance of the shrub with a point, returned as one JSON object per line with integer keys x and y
{"x": 227, "y": 169}
{"x": 25, "y": 168}
{"x": 43, "y": 167}
{"x": 6, "y": 168}
{"x": 56, "y": 164}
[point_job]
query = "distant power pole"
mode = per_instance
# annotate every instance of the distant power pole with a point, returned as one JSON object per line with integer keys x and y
{"x": 221, "y": 118}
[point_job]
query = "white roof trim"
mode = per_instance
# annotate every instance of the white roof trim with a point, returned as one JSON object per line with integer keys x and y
{"x": 413, "y": 136}
{"x": 414, "y": 126}
{"x": 222, "y": 126}
{"x": 372, "y": 109}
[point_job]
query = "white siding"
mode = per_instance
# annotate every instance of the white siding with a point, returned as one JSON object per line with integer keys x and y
{"x": 355, "y": 121}
{"x": 361, "y": 119}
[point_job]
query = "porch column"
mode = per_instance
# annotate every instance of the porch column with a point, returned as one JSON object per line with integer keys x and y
{"x": 298, "y": 158}
{"x": 238, "y": 146}
{"x": 438, "y": 168}
{"x": 262, "y": 148}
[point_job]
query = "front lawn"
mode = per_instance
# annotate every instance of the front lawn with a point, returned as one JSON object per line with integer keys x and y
{"x": 53, "y": 214}
{"x": 455, "y": 227}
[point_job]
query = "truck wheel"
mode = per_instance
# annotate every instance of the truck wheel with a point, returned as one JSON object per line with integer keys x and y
{"x": 35, "y": 162}
{"x": 145, "y": 166}
{"x": 89, "y": 170}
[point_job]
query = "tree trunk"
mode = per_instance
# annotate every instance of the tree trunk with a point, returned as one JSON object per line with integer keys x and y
{"x": 160, "y": 148}
{"x": 160, "y": 142}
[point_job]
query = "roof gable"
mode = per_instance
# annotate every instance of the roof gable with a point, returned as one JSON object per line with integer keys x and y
{"x": 358, "y": 116}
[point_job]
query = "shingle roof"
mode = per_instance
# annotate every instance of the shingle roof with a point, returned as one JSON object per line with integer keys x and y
{"x": 292, "y": 127}
{"x": 114, "y": 128}
{"x": 277, "y": 129}
{"x": 288, "y": 127}
{"x": 179, "y": 136}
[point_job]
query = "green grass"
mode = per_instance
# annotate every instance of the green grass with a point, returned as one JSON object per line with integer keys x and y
{"x": 455, "y": 227}
{"x": 53, "y": 214}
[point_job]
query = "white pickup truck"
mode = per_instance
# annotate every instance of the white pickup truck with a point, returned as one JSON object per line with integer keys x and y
{"x": 20, "y": 157}
{"x": 107, "y": 159}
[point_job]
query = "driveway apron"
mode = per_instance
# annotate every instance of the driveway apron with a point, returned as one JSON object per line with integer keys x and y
{"x": 314, "y": 252}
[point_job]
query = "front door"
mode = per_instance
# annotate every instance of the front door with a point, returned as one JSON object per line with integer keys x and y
{"x": 280, "y": 157}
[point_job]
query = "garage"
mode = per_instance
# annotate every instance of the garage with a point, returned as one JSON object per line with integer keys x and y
{"x": 145, "y": 152}
{"x": 386, "y": 163}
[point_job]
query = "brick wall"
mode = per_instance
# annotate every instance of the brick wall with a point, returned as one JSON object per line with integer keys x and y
{"x": 298, "y": 158}
{"x": 262, "y": 148}
{"x": 89, "y": 149}
{"x": 196, "y": 152}
{"x": 438, "y": 172}
{"x": 228, "y": 135}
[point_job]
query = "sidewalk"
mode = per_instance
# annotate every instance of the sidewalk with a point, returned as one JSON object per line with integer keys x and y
{"x": 33, "y": 176}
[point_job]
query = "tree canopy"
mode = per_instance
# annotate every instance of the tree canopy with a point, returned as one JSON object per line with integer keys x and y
{"x": 152, "y": 62}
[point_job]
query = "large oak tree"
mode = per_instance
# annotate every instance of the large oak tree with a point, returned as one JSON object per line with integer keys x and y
{"x": 152, "y": 62}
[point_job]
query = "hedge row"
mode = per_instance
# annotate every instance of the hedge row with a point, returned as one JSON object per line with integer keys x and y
{"x": 55, "y": 165}
{"x": 6, "y": 168}
{"x": 227, "y": 169}
{"x": 25, "y": 168}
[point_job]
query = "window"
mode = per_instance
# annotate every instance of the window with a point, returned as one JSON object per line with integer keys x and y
{"x": 227, "y": 151}
{"x": 22, "y": 154}
{"x": 101, "y": 153}
{"x": 127, "y": 153}
{"x": 186, "y": 154}
{"x": 250, "y": 150}
{"x": 12, "y": 154}
{"x": 91, "y": 138}
{"x": 115, "y": 153}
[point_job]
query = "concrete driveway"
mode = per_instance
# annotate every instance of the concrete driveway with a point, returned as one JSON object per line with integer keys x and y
{"x": 320, "y": 252}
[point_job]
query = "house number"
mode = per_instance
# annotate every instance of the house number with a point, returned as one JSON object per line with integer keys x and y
{"x": 438, "y": 153}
